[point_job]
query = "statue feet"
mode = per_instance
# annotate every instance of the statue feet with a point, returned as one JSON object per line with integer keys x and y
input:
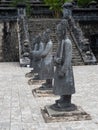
{"x": 61, "y": 106}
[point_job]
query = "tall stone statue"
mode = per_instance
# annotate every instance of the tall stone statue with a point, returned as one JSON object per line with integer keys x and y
{"x": 47, "y": 68}
{"x": 36, "y": 54}
{"x": 63, "y": 76}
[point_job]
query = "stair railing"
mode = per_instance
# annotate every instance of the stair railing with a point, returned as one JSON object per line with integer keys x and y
{"x": 23, "y": 36}
{"x": 81, "y": 42}
{"x": 76, "y": 33}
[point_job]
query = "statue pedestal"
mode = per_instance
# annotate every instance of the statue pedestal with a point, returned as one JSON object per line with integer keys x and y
{"x": 24, "y": 62}
{"x": 35, "y": 82}
{"x": 51, "y": 115}
{"x": 43, "y": 92}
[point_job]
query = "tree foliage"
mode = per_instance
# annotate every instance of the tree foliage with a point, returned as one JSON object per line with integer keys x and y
{"x": 56, "y": 5}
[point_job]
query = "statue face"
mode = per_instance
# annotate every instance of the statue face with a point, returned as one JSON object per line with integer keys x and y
{"x": 45, "y": 38}
{"x": 61, "y": 30}
{"x": 38, "y": 39}
{"x": 61, "y": 33}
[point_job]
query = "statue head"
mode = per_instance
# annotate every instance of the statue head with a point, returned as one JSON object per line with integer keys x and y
{"x": 67, "y": 10}
{"x": 61, "y": 29}
{"x": 46, "y": 36}
{"x": 38, "y": 39}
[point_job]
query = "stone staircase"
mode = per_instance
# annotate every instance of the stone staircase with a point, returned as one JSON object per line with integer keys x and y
{"x": 76, "y": 56}
{"x": 40, "y": 25}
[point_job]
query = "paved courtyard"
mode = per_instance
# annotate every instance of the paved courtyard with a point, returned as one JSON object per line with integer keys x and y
{"x": 20, "y": 110}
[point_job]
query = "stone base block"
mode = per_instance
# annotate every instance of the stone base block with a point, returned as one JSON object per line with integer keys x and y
{"x": 24, "y": 62}
{"x": 35, "y": 82}
{"x": 51, "y": 115}
{"x": 43, "y": 92}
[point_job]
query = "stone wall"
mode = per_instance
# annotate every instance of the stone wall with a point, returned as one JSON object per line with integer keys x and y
{"x": 10, "y": 42}
{"x": 89, "y": 28}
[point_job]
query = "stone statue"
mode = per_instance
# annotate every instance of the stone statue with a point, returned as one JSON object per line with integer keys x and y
{"x": 35, "y": 54}
{"x": 67, "y": 10}
{"x": 63, "y": 76}
{"x": 47, "y": 68}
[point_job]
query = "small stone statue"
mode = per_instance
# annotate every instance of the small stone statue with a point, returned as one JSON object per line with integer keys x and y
{"x": 63, "y": 76}
{"x": 47, "y": 68}
{"x": 35, "y": 54}
{"x": 67, "y": 10}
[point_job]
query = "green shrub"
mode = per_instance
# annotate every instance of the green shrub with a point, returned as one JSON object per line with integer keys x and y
{"x": 56, "y": 6}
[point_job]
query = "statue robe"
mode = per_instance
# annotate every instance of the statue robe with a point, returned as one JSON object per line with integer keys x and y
{"x": 64, "y": 85}
{"x": 47, "y": 68}
{"x": 36, "y": 57}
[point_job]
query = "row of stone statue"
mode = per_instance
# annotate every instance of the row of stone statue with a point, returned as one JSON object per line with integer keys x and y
{"x": 56, "y": 70}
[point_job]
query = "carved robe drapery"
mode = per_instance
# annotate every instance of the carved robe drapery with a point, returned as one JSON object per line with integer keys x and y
{"x": 64, "y": 85}
{"x": 36, "y": 56}
{"x": 47, "y": 68}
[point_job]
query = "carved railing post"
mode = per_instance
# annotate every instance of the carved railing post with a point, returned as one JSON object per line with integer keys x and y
{"x": 23, "y": 35}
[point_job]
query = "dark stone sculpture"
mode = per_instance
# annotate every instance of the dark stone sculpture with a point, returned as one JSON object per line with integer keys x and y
{"x": 63, "y": 76}
{"x": 35, "y": 56}
{"x": 67, "y": 10}
{"x": 47, "y": 68}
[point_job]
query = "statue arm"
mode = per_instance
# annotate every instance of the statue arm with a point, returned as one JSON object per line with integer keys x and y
{"x": 46, "y": 50}
{"x": 36, "y": 52}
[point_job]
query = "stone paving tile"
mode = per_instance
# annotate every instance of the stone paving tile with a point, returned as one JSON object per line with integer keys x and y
{"x": 4, "y": 125}
{"x": 20, "y": 110}
{"x": 16, "y": 126}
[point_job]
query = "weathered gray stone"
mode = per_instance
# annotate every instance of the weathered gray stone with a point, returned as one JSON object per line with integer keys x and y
{"x": 51, "y": 115}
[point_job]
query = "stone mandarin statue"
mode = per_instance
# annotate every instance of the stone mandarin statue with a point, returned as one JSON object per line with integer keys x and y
{"x": 47, "y": 68}
{"x": 63, "y": 76}
{"x": 35, "y": 55}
